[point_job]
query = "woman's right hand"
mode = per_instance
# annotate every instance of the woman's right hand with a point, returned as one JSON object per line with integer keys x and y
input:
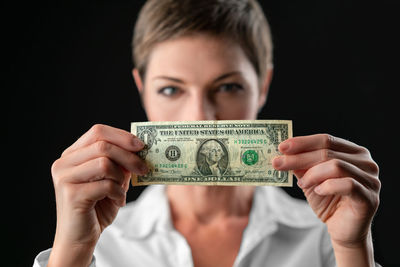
{"x": 91, "y": 179}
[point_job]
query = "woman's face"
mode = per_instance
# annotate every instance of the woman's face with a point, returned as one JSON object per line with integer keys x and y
{"x": 200, "y": 78}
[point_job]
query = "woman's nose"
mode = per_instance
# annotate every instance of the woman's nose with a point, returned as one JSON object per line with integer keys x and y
{"x": 199, "y": 107}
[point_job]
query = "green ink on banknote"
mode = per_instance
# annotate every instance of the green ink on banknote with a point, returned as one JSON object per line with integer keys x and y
{"x": 250, "y": 157}
{"x": 212, "y": 152}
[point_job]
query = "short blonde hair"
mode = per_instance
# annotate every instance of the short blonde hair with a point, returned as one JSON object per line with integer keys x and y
{"x": 242, "y": 21}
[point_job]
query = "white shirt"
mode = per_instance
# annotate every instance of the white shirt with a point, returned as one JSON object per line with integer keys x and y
{"x": 282, "y": 231}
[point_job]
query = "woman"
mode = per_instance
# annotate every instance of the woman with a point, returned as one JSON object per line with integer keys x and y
{"x": 209, "y": 60}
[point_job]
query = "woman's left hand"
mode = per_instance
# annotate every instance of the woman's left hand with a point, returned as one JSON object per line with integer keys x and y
{"x": 340, "y": 181}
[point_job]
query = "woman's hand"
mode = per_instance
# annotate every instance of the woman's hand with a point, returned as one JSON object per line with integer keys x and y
{"x": 341, "y": 184}
{"x": 90, "y": 180}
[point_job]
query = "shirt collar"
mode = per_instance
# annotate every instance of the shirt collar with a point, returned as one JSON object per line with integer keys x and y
{"x": 271, "y": 207}
{"x": 273, "y": 202}
{"x": 149, "y": 213}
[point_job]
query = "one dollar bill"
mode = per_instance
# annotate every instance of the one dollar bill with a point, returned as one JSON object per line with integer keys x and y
{"x": 236, "y": 152}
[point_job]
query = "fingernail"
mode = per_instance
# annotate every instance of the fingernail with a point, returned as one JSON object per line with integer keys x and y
{"x": 138, "y": 143}
{"x": 278, "y": 161}
{"x": 284, "y": 146}
{"x": 300, "y": 183}
{"x": 317, "y": 190}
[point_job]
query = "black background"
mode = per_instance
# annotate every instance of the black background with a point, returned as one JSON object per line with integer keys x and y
{"x": 67, "y": 67}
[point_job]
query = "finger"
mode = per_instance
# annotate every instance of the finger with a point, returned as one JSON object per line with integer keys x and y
{"x": 110, "y": 134}
{"x": 347, "y": 186}
{"x": 341, "y": 186}
{"x": 122, "y": 157}
{"x": 300, "y": 161}
{"x": 126, "y": 183}
{"x": 309, "y": 159}
{"x": 318, "y": 141}
{"x": 99, "y": 190}
{"x": 337, "y": 169}
{"x": 127, "y": 179}
{"x": 299, "y": 173}
{"x": 94, "y": 170}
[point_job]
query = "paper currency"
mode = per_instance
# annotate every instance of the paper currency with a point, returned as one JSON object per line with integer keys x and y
{"x": 212, "y": 152}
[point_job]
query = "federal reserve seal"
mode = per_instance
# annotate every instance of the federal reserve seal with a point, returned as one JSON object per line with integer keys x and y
{"x": 173, "y": 153}
{"x": 250, "y": 157}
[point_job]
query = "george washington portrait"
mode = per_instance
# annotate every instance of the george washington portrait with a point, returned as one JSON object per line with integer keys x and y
{"x": 212, "y": 158}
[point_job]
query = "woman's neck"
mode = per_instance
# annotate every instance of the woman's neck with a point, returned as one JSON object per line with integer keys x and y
{"x": 203, "y": 204}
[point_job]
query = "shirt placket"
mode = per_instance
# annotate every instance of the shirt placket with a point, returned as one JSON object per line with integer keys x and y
{"x": 262, "y": 223}
{"x": 182, "y": 254}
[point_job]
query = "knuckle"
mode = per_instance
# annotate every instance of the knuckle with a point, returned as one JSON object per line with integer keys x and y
{"x": 337, "y": 164}
{"x": 104, "y": 164}
{"x": 103, "y": 147}
{"x": 54, "y": 167}
{"x": 364, "y": 150}
{"x": 97, "y": 129}
{"x": 376, "y": 184}
{"x": 372, "y": 166}
{"x": 376, "y": 201}
{"x": 327, "y": 154}
{"x": 328, "y": 140}
{"x": 55, "y": 170}
{"x": 351, "y": 184}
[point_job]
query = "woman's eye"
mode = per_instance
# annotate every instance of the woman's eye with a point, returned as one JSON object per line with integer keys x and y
{"x": 230, "y": 88}
{"x": 168, "y": 91}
